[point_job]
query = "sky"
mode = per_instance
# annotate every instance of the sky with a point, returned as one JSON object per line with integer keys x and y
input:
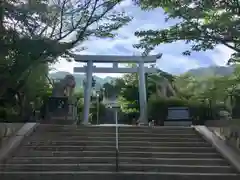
{"x": 172, "y": 60}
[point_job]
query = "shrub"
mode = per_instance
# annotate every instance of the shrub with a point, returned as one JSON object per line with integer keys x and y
{"x": 158, "y": 109}
{"x": 93, "y": 111}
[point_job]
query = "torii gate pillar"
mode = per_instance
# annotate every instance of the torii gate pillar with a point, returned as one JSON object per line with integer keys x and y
{"x": 87, "y": 91}
{"x": 143, "y": 119}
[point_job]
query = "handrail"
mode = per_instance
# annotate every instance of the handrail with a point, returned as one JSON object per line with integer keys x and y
{"x": 117, "y": 136}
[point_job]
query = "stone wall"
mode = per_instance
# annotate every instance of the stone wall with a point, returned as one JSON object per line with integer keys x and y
{"x": 228, "y": 130}
{"x": 230, "y": 134}
{"x": 8, "y": 129}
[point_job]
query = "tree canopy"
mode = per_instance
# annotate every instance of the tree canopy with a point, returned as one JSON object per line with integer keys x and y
{"x": 202, "y": 24}
{"x": 36, "y": 34}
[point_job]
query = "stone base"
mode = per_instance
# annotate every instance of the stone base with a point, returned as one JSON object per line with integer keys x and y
{"x": 143, "y": 124}
{"x": 177, "y": 123}
{"x": 63, "y": 120}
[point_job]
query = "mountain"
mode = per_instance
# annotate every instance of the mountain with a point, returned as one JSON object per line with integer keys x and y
{"x": 80, "y": 77}
{"x": 199, "y": 72}
{"x": 211, "y": 71}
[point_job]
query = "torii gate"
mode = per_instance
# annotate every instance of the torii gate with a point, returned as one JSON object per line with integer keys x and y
{"x": 115, "y": 60}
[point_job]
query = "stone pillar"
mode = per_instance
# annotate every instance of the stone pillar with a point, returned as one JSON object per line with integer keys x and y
{"x": 87, "y": 91}
{"x": 142, "y": 94}
{"x": 115, "y": 65}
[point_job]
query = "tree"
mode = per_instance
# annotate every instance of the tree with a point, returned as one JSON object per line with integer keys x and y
{"x": 113, "y": 88}
{"x": 34, "y": 90}
{"x": 29, "y": 95}
{"x": 109, "y": 90}
{"x": 127, "y": 88}
{"x": 213, "y": 90}
{"x": 36, "y": 32}
{"x": 202, "y": 24}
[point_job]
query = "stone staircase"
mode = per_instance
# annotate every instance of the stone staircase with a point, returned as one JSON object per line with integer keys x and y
{"x": 57, "y": 152}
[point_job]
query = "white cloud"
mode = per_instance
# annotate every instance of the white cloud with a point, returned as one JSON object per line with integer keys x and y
{"x": 220, "y": 55}
{"x": 176, "y": 65}
{"x": 172, "y": 61}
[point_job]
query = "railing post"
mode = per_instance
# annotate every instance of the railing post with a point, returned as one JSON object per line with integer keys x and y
{"x": 117, "y": 149}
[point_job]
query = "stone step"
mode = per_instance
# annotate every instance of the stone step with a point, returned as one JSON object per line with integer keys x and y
{"x": 89, "y": 152}
{"x": 139, "y": 131}
{"x": 121, "y": 143}
{"x": 91, "y": 175}
{"x": 59, "y": 167}
{"x": 113, "y": 154}
{"x": 176, "y": 168}
{"x": 100, "y": 138}
{"x": 150, "y": 139}
{"x": 72, "y": 128}
{"x": 142, "y": 131}
{"x": 121, "y": 148}
{"x": 122, "y": 167}
{"x": 103, "y": 134}
{"x": 49, "y": 127}
{"x": 77, "y": 160}
{"x": 120, "y": 134}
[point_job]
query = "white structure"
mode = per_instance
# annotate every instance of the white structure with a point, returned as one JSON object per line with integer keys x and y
{"x": 90, "y": 69}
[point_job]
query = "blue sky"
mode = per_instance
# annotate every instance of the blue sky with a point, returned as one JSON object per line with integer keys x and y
{"x": 172, "y": 60}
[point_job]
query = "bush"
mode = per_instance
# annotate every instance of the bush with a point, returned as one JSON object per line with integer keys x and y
{"x": 158, "y": 109}
{"x": 93, "y": 112}
{"x": 128, "y": 118}
{"x": 9, "y": 115}
{"x": 3, "y": 113}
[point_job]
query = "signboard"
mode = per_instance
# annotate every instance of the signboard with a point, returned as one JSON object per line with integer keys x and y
{"x": 178, "y": 114}
{"x": 113, "y": 105}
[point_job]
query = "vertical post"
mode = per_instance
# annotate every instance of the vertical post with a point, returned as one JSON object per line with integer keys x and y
{"x": 117, "y": 136}
{"x": 97, "y": 108}
{"x": 74, "y": 112}
{"x": 116, "y": 123}
{"x": 87, "y": 91}
{"x": 142, "y": 94}
{"x": 115, "y": 65}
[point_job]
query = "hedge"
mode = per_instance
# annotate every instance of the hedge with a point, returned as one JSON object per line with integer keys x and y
{"x": 158, "y": 109}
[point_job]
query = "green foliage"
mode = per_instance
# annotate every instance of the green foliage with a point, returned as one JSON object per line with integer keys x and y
{"x": 158, "y": 109}
{"x": 109, "y": 90}
{"x": 8, "y": 113}
{"x": 80, "y": 103}
{"x": 218, "y": 92}
{"x": 35, "y": 34}
{"x": 205, "y": 96}
{"x": 94, "y": 110}
{"x": 202, "y": 24}
{"x": 127, "y": 88}
{"x": 32, "y": 89}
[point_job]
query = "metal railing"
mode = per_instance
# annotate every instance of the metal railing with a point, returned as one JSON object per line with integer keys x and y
{"x": 117, "y": 138}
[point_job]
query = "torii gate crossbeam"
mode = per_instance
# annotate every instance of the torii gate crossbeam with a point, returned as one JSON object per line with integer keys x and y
{"x": 90, "y": 69}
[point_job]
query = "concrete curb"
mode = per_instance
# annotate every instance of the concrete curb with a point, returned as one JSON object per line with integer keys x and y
{"x": 226, "y": 151}
{"x": 16, "y": 139}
